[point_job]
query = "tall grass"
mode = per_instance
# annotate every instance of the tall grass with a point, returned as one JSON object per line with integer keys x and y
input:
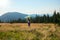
{"x": 21, "y": 35}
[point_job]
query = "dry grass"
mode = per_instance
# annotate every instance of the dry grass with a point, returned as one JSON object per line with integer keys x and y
{"x": 39, "y": 31}
{"x": 23, "y": 26}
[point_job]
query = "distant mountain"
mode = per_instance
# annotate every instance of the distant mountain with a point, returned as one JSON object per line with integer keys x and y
{"x": 12, "y": 16}
{"x": 34, "y": 15}
{"x": 16, "y": 15}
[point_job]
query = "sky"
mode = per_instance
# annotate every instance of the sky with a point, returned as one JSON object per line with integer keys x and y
{"x": 29, "y": 6}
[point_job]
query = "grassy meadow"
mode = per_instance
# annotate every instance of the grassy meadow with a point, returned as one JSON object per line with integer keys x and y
{"x": 37, "y": 31}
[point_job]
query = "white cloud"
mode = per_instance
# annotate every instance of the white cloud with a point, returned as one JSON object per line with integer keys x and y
{"x": 4, "y": 4}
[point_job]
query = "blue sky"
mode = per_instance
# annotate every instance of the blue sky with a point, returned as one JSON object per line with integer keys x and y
{"x": 31, "y": 6}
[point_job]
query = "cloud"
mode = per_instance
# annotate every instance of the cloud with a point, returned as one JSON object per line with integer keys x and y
{"x": 4, "y": 3}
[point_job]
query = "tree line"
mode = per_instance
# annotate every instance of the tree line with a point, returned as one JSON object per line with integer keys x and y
{"x": 55, "y": 18}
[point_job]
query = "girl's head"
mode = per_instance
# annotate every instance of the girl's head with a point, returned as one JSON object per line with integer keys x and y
{"x": 29, "y": 19}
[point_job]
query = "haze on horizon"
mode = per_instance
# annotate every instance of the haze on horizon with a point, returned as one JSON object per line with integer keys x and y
{"x": 29, "y": 6}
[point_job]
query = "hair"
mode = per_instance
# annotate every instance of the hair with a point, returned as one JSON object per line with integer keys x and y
{"x": 28, "y": 19}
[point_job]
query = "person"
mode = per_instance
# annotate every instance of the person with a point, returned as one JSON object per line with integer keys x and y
{"x": 28, "y": 22}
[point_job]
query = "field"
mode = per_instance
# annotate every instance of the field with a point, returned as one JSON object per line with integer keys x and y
{"x": 37, "y": 31}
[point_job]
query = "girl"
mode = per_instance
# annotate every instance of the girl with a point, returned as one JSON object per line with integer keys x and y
{"x": 28, "y": 22}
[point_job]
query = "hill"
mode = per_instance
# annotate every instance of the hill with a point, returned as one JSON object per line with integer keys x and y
{"x": 12, "y": 16}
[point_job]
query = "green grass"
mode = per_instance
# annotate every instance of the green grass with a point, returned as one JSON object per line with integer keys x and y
{"x": 26, "y": 35}
{"x": 20, "y": 35}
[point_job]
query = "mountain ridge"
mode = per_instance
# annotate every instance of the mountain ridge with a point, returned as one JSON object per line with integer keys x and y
{"x": 16, "y": 15}
{"x": 12, "y": 16}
